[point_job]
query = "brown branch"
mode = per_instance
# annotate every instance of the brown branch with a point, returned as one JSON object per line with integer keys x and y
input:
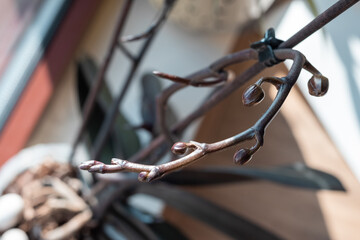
{"x": 114, "y": 108}
{"x": 161, "y": 103}
{"x": 316, "y": 24}
{"x": 204, "y": 82}
{"x": 195, "y": 150}
{"x": 125, "y": 51}
{"x": 197, "y": 79}
{"x": 91, "y": 98}
{"x": 168, "y": 4}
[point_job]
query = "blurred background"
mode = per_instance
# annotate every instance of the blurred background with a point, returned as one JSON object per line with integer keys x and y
{"x": 43, "y": 45}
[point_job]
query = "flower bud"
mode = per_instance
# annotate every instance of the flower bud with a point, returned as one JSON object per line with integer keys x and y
{"x": 143, "y": 176}
{"x": 318, "y": 85}
{"x": 242, "y": 156}
{"x": 179, "y": 148}
{"x": 253, "y": 95}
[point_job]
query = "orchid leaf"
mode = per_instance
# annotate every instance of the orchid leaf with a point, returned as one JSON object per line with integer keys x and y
{"x": 295, "y": 175}
{"x": 217, "y": 217}
{"x": 123, "y": 141}
{"x": 151, "y": 89}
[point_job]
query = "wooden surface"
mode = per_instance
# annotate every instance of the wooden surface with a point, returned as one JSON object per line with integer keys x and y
{"x": 295, "y": 135}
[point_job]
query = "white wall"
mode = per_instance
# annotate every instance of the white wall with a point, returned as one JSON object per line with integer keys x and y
{"x": 335, "y": 51}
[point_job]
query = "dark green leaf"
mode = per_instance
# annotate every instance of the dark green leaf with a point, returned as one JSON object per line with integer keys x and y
{"x": 295, "y": 175}
{"x": 117, "y": 230}
{"x": 125, "y": 138}
{"x": 160, "y": 227}
{"x": 166, "y": 231}
{"x": 151, "y": 88}
{"x": 123, "y": 141}
{"x": 140, "y": 227}
{"x": 85, "y": 76}
{"x": 207, "y": 212}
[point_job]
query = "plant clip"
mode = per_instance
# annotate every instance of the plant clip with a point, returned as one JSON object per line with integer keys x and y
{"x": 265, "y": 47}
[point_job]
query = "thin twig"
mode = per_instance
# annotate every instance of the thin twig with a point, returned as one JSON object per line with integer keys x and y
{"x": 161, "y": 101}
{"x": 320, "y": 21}
{"x": 198, "y": 150}
{"x": 316, "y": 24}
{"x": 197, "y": 79}
{"x": 204, "y": 82}
{"x": 154, "y": 26}
{"x": 126, "y": 51}
{"x": 90, "y": 100}
{"x": 112, "y": 112}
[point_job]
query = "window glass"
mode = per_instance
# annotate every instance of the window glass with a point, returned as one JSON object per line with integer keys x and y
{"x": 26, "y": 28}
{"x": 15, "y": 16}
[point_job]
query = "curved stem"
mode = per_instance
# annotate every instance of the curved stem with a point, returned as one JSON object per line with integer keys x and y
{"x": 111, "y": 114}
{"x": 151, "y": 172}
{"x": 285, "y": 87}
{"x": 310, "y": 68}
{"x": 273, "y": 80}
{"x": 90, "y": 100}
{"x": 204, "y": 82}
{"x": 198, "y": 150}
{"x": 214, "y": 68}
{"x": 161, "y": 108}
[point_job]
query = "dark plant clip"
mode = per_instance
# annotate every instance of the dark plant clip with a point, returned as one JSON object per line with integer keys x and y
{"x": 265, "y": 48}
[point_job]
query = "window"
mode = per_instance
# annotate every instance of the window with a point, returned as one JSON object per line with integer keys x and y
{"x": 26, "y": 28}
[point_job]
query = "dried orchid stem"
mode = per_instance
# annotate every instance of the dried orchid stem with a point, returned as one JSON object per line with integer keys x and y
{"x": 220, "y": 78}
{"x": 161, "y": 103}
{"x": 310, "y": 68}
{"x": 114, "y": 108}
{"x": 213, "y": 100}
{"x": 273, "y": 80}
{"x": 168, "y": 4}
{"x": 316, "y": 24}
{"x": 90, "y": 100}
{"x": 197, "y": 150}
{"x": 126, "y": 51}
{"x": 316, "y": 87}
{"x": 197, "y": 79}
